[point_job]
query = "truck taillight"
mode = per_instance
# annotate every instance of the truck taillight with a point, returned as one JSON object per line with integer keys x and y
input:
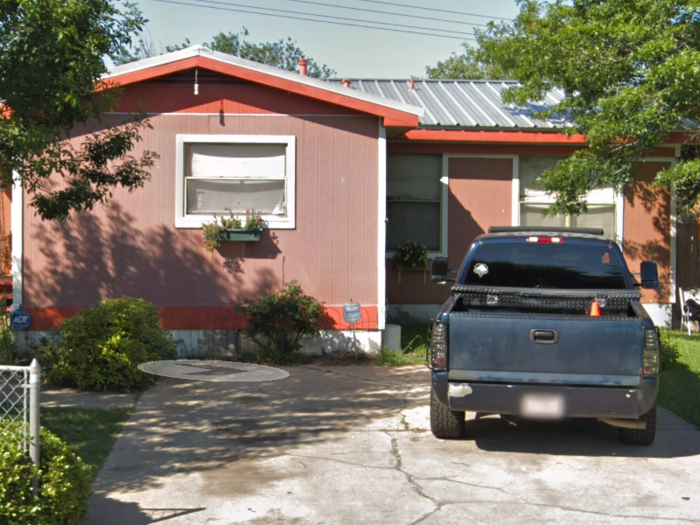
{"x": 651, "y": 352}
{"x": 438, "y": 346}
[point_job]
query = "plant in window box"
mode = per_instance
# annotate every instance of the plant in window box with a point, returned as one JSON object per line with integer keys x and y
{"x": 232, "y": 229}
{"x": 411, "y": 256}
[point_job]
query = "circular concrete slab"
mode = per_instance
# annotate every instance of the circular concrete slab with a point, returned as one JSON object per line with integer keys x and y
{"x": 215, "y": 371}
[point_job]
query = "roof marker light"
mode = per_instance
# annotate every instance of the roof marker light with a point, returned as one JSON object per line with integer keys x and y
{"x": 546, "y": 240}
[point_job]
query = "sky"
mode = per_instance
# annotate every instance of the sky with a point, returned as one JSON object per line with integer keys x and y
{"x": 354, "y": 52}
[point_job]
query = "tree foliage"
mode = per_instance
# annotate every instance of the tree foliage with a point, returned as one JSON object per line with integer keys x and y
{"x": 51, "y": 60}
{"x": 284, "y": 54}
{"x": 470, "y": 65}
{"x": 630, "y": 72}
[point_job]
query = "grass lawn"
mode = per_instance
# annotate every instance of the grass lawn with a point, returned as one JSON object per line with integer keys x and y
{"x": 89, "y": 432}
{"x": 413, "y": 341}
{"x": 679, "y": 390}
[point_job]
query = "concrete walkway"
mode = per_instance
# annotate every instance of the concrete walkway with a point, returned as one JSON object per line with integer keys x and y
{"x": 52, "y": 396}
{"x": 346, "y": 445}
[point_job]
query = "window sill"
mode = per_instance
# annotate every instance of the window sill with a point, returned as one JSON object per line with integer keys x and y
{"x": 196, "y": 223}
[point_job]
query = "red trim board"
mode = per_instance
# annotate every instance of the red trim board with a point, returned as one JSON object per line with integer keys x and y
{"x": 392, "y": 117}
{"x": 202, "y": 317}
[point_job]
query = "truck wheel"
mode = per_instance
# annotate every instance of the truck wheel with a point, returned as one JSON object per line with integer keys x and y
{"x": 630, "y": 436}
{"x": 444, "y": 423}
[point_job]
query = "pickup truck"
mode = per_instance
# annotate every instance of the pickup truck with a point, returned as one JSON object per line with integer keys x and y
{"x": 544, "y": 324}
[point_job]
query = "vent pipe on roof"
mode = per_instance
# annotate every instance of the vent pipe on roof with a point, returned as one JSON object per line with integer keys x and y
{"x": 411, "y": 84}
{"x": 346, "y": 82}
{"x": 302, "y": 66}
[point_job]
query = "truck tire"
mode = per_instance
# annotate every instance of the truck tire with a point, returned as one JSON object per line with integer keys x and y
{"x": 445, "y": 423}
{"x": 630, "y": 436}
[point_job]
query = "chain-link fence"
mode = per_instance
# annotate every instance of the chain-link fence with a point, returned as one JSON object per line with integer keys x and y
{"x": 19, "y": 405}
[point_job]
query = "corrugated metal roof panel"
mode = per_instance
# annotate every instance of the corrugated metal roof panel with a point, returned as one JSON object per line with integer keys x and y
{"x": 464, "y": 103}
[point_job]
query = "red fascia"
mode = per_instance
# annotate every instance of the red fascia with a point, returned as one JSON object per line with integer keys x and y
{"x": 513, "y": 137}
{"x": 392, "y": 117}
{"x": 497, "y": 137}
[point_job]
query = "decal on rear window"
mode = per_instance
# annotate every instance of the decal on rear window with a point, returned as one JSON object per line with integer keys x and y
{"x": 481, "y": 269}
{"x": 606, "y": 258}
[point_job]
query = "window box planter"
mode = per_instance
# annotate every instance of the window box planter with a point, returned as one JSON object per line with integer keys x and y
{"x": 239, "y": 236}
{"x": 401, "y": 267}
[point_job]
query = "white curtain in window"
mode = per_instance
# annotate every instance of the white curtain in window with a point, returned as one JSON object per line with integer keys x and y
{"x": 259, "y": 161}
{"x": 596, "y": 217}
{"x": 531, "y": 215}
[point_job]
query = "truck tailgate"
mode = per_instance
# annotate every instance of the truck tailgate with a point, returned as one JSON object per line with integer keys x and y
{"x": 543, "y": 348}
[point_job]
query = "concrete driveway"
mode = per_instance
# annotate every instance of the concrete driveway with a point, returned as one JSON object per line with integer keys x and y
{"x": 346, "y": 445}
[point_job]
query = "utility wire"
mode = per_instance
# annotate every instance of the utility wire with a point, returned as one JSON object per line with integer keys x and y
{"x": 445, "y": 20}
{"x": 432, "y": 9}
{"x": 288, "y": 17}
{"x": 344, "y": 18}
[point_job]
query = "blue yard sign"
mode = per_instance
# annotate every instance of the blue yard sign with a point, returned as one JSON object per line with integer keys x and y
{"x": 351, "y": 312}
{"x": 20, "y": 320}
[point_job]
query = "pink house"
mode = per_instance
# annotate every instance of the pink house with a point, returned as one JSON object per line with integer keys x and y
{"x": 343, "y": 174}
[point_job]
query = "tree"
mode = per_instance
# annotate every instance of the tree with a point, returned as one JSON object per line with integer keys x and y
{"x": 630, "y": 71}
{"x": 51, "y": 63}
{"x": 469, "y": 66}
{"x": 284, "y": 54}
{"x": 144, "y": 47}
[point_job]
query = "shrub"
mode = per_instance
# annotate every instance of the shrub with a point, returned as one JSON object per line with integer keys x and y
{"x": 63, "y": 483}
{"x": 101, "y": 347}
{"x": 412, "y": 255}
{"x": 279, "y": 320}
{"x": 668, "y": 350}
{"x": 9, "y": 354}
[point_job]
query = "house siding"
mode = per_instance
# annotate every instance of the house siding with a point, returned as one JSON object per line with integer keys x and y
{"x": 647, "y": 229}
{"x": 131, "y": 247}
{"x": 480, "y": 196}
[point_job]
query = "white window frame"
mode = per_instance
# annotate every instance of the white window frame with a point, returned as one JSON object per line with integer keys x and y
{"x": 603, "y": 196}
{"x": 182, "y": 220}
{"x": 444, "y": 195}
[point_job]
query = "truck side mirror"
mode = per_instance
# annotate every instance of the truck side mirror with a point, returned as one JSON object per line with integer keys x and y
{"x": 650, "y": 275}
{"x": 438, "y": 271}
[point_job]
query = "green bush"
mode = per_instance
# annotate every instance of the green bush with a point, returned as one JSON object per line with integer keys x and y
{"x": 279, "y": 320}
{"x": 412, "y": 255}
{"x": 101, "y": 347}
{"x": 9, "y": 354}
{"x": 668, "y": 351}
{"x": 63, "y": 483}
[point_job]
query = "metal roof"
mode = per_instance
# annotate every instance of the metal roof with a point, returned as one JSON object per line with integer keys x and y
{"x": 194, "y": 51}
{"x": 463, "y": 103}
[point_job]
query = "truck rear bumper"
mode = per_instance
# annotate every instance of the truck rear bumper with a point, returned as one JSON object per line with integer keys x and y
{"x": 546, "y": 401}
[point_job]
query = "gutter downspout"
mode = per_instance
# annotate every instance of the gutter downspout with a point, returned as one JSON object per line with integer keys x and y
{"x": 17, "y": 230}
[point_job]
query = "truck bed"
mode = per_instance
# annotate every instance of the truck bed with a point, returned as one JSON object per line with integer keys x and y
{"x": 545, "y": 336}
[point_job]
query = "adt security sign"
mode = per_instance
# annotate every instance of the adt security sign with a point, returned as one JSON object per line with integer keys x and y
{"x": 20, "y": 319}
{"x": 351, "y": 312}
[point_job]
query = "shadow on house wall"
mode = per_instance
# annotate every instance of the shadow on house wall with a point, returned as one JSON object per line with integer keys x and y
{"x": 95, "y": 256}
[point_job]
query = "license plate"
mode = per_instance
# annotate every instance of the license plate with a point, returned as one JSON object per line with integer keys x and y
{"x": 540, "y": 406}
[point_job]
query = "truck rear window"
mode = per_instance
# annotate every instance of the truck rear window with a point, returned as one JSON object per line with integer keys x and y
{"x": 545, "y": 266}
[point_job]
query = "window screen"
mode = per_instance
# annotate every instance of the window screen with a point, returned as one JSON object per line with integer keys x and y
{"x": 414, "y": 194}
{"x": 222, "y": 178}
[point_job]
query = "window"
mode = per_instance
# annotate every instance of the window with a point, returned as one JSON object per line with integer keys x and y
{"x": 602, "y": 203}
{"x": 546, "y": 266}
{"x": 218, "y": 174}
{"x": 414, "y": 201}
